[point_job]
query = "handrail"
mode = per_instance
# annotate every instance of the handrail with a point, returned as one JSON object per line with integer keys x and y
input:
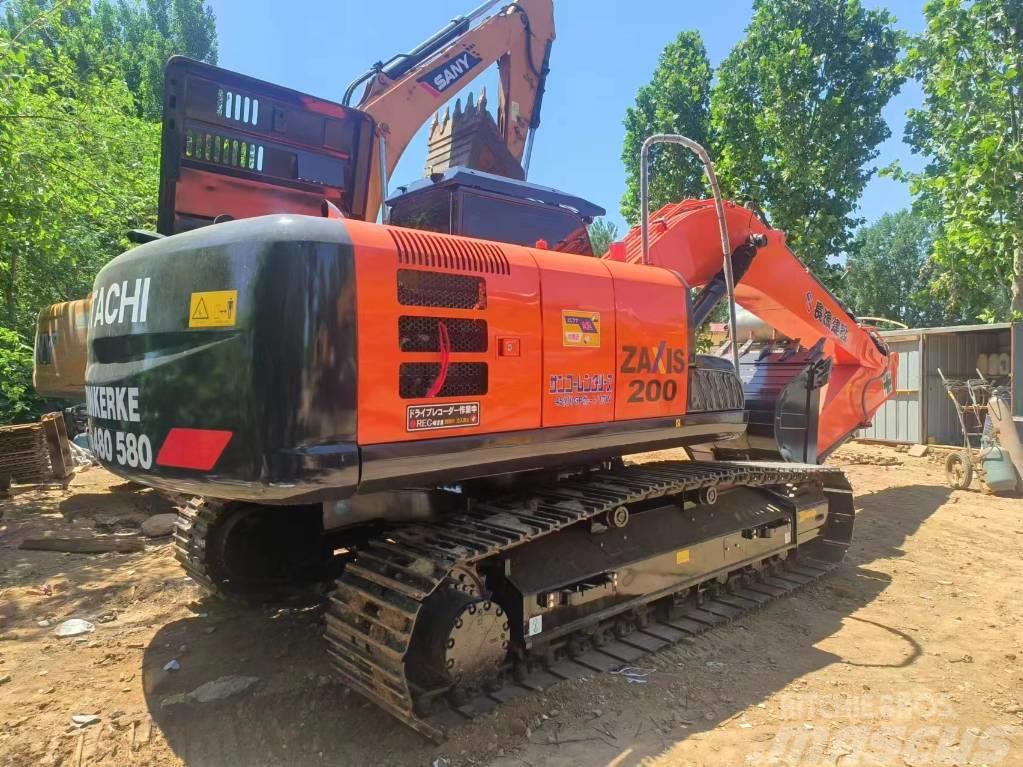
{"x": 719, "y": 205}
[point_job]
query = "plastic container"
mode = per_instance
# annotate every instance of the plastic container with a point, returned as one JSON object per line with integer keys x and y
{"x": 999, "y": 473}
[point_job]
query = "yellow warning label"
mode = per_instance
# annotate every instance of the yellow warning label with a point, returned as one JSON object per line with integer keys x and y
{"x": 681, "y": 556}
{"x": 213, "y": 309}
{"x": 807, "y": 515}
{"x": 580, "y": 328}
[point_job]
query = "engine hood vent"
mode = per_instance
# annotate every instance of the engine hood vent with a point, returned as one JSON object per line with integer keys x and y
{"x": 438, "y": 251}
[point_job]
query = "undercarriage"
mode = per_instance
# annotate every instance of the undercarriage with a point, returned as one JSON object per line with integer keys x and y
{"x": 442, "y": 620}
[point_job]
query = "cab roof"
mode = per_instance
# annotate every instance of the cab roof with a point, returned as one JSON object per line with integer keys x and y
{"x": 509, "y": 187}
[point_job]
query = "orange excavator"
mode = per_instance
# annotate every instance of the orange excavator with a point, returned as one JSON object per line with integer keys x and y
{"x": 432, "y": 416}
{"x": 399, "y": 96}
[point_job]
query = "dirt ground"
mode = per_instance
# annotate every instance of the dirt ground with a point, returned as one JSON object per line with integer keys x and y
{"x": 911, "y": 653}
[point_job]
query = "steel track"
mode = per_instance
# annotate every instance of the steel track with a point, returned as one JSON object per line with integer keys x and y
{"x": 372, "y": 613}
{"x": 191, "y": 531}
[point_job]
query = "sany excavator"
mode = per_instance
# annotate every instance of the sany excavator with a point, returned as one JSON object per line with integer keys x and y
{"x": 433, "y": 415}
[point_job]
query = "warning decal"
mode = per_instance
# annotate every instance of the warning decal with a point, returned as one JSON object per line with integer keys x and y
{"x": 213, "y": 309}
{"x": 580, "y": 328}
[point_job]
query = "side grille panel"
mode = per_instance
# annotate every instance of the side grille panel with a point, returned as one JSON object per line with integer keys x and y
{"x": 463, "y": 379}
{"x": 440, "y": 290}
{"x": 420, "y": 334}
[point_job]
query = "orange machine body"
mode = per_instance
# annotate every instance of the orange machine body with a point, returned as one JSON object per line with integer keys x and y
{"x": 539, "y": 338}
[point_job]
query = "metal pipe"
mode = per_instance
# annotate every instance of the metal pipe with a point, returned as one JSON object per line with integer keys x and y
{"x": 384, "y": 213}
{"x": 719, "y": 206}
{"x": 401, "y": 63}
{"x": 529, "y": 153}
{"x": 534, "y": 121}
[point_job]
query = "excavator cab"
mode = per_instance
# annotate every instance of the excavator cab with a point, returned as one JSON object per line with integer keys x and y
{"x": 489, "y": 207}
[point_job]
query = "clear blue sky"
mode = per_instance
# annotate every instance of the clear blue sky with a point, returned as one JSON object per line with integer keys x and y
{"x": 604, "y": 52}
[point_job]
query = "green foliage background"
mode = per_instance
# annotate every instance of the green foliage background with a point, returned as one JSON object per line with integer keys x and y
{"x": 793, "y": 117}
{"x": 80, "y": 105}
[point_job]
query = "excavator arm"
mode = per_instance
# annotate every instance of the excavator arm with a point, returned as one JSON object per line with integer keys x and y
{"x": 832, "y": 359}
{"x": 404, "y": 93}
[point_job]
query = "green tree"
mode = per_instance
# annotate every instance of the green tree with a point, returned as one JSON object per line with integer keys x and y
{"x": 676, "y": 100}
{"x": 77, "y": 170}
{"x": 796, "y": 112}
{"x": 130, "y": 37}
{"x": 18, "y": 400}
{"x": 969, "y": 61}
{"x": 887, "y": 271}
{"x": 602, "y": 234}
{"x": 80, "y": 85}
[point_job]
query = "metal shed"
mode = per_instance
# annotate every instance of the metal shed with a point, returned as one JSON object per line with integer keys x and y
{"x": 920, "y": 411}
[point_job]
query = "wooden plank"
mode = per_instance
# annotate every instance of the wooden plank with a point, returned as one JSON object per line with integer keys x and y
{"x": 121, "y": 544}
{"x": 61, "y": 460}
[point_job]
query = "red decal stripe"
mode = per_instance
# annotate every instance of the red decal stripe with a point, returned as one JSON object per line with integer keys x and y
{"x": 192, "y": 448}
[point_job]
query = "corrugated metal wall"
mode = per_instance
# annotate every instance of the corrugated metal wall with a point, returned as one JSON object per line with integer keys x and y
{"x": 956, "y": 354}
{"x": 898, "y": 419}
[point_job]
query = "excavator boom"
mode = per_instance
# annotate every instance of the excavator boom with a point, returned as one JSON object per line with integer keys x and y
{"x": 401, "y": 99}
{"x": 772, "y": 283}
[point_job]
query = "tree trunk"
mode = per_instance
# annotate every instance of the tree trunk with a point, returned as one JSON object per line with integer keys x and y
{"x": 1017, "y": 277}
{"x": 12, "y": 292}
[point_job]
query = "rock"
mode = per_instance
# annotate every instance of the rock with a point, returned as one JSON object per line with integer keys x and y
{"x": 597, "y": 713}
{"x": 5, "y": 678}
{"x": 74, "y": 627}
{"x": 159, "y": 525}
{"x": 1009, "y": 710}
{"x": 84, "y": 720}
{"x": 918, "y": 451}
{"x": 43, "y": 624}
{"x": 218, "y": 689}
{"x": 172, "y": 665}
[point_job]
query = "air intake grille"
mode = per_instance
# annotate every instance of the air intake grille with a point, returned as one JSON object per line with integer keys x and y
{"x": 419, "y": 334}
{"x": 440, "y": 252}
{"x": 463, "y": 379}
{"x": 437, "y": 289}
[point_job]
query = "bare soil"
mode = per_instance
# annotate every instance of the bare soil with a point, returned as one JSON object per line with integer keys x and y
{"x": 911, "y": 653}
